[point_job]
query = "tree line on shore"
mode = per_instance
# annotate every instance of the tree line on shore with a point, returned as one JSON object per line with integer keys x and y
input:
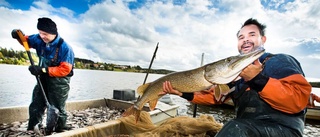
{"x": 10, "y": 56}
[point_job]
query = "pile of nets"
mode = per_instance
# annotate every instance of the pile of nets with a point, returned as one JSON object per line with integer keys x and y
{"x": 180, "y": 126}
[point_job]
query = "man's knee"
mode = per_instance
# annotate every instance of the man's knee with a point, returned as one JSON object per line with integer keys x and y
{"x": 236, "y": 128}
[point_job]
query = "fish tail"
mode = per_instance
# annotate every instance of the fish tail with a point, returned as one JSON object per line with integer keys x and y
{"x": 132, "y": 111}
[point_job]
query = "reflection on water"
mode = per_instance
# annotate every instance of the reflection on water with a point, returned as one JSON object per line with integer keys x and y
{"x": 16, "y": 84}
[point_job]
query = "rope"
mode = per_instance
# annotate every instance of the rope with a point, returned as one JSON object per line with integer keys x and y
{"x": 164, "y": 112}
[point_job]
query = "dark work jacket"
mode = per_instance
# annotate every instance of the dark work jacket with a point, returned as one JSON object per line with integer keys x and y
{"x": 250, "y": 105}
{"x": 58, "y": 52}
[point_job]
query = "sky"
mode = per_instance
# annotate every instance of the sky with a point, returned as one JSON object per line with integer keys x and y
{"x": 126, "y": 32}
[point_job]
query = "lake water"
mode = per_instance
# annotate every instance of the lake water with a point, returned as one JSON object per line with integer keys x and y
{"x": 16, "y": 85}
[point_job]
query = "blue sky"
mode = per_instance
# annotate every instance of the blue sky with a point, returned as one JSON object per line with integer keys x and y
{"x": 78, "y": 6}
{"x": 127, "y": 31}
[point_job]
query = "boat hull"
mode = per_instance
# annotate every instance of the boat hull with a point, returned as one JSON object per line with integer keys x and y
{"x": 112, "y": 127}
{"x": 313, "y": 113}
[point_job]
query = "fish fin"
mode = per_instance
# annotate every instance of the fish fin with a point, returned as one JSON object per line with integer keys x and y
{"x": 219, "y": 90}
{"x": 132, "y": 111}
{"x": 142, "y": 88}
{"x": 152, "y": 104}
{"x": 224, "y": 88}
{"x": 137, "y": 115}
{"x": 217, "y": 93}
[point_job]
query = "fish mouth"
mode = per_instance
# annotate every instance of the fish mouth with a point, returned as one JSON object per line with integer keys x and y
{"x": 258, "y": 51}
{"x": 228, "y": 69}
{"x": 245, "y": 57}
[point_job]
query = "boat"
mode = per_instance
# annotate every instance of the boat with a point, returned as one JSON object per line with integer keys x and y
{"x": 162, "y": 112}
{"x": 313, "y": 113}
{"x": 115, "y": 127}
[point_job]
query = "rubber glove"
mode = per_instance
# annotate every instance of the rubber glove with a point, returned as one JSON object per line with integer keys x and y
{"x": 36, "y": 70}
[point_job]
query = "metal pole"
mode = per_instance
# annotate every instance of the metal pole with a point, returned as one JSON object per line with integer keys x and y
{"x": 196, "y": 105}
{"x": 154, "y": 55}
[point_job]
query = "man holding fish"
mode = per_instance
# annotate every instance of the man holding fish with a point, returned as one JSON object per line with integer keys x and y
{"x": 270, "y": 98}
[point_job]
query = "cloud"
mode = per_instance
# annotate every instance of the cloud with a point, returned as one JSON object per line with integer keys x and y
{"x": 4, "y": 3}
{"x": 111, "y": 32}
{"x": 45, "y": 6}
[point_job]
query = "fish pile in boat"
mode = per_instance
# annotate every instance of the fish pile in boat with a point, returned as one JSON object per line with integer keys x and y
{"x": 76, "y": 119}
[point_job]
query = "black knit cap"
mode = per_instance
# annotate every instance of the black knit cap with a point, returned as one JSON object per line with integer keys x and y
{"x": 47, "y": 25}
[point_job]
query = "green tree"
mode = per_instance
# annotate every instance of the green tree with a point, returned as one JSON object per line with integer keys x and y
{"x": 79, "y": 65}
{"x": 1, "y": 55}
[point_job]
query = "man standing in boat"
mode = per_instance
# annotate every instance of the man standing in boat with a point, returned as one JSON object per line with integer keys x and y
{"x": 56, "y": 59}
{"x": 271, "y": 97}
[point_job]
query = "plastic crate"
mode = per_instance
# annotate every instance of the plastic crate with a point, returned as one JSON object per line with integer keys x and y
{"x": 124, "y": 94}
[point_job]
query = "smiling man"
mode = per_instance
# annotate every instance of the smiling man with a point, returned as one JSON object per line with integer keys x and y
{"x": 249, "y": 38}
{"x": 271, "y": 97}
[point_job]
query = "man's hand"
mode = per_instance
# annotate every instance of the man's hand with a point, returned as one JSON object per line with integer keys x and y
{"x": 36, "y": 70}
{"x": 251, "y": 71}
{"x": 15, "y": 35}
{"x": 167, "y": 89}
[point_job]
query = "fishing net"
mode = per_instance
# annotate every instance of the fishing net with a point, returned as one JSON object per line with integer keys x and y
{"x": 180, "y": 126}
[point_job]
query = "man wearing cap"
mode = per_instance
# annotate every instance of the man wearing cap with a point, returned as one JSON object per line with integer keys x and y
{"x": 56, "y": 59}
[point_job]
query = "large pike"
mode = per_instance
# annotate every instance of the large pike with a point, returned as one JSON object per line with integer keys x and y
{"x": 216, "y": 73}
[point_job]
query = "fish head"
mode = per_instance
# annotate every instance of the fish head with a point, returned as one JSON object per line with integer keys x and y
{"x": 228, "y": 69}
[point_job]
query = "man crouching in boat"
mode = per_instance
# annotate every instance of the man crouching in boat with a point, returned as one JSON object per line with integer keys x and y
{"x": 271, "y": 97}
